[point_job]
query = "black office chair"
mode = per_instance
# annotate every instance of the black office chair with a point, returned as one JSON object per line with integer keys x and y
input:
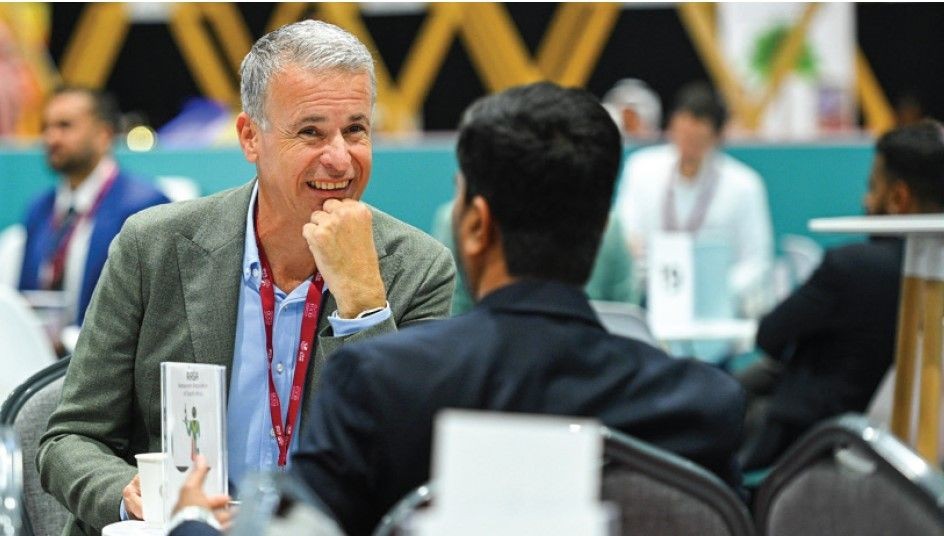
{"x": 655, "y": 491}
{"x": 658, "y": 492}
{"x": 848, "y": 477}
{"x": 27, "y": 411}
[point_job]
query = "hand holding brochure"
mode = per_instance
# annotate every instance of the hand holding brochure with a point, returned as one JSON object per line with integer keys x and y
{"x": 193, "y": 398}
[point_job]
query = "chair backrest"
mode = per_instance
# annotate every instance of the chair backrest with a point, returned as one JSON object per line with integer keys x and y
{"x": 624, "y": 319}
{"x": 847, "y": 476}
{"x": 26, "y": 349}
{"x": 27, "y": 410}
{"x": 656, "y": 492}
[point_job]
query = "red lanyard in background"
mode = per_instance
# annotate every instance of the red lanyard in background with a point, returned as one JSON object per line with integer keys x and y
{"x": 53, "y": 277}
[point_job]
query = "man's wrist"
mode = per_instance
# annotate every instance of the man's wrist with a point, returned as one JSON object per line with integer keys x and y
{"x": 360, "y": 309}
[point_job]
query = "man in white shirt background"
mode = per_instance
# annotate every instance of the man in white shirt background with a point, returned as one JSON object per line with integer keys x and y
{"x": 689, "y": 185}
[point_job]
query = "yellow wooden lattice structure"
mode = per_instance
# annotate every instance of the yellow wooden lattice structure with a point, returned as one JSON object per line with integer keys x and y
{"x": 567, "y": 54}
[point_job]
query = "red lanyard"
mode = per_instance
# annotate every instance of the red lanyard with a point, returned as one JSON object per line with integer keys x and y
{"x": 306, "y": 345}
{"x": 58, "y": 265}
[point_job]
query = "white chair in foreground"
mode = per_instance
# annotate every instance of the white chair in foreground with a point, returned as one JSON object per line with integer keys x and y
{"x": 12, "y": 243}
{"x": 25, "y": 349}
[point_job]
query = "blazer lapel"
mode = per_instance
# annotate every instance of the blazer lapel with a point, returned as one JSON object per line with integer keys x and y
{"x": 210, "y": 267}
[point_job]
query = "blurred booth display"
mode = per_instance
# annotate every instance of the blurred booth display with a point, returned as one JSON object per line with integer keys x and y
{"x": 201, "y": 123}
{"x": 817, "y": 94}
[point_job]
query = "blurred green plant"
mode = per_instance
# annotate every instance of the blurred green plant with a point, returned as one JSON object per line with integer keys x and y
{"x": 768, "y": 45}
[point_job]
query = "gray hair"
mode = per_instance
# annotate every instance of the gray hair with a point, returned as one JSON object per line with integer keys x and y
{"x": 311, "y": 44}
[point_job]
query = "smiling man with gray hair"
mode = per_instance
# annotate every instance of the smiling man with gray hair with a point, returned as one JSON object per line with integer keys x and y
{"x": 290, "y": 261}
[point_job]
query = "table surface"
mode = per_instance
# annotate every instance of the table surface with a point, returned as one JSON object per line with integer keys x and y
{"x": 721, "y": 330}
{"x": 881, "y": 225}
{"x": 131, "y": 528}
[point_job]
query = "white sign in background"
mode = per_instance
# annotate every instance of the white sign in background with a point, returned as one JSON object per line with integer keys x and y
{"x": 671, "y": 280}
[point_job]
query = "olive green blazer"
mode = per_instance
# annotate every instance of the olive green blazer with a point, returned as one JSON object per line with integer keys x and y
{"x": 169, "y": 292}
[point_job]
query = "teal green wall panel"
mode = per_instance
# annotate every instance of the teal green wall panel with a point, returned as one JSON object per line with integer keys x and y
{"x": 410, "y": 181}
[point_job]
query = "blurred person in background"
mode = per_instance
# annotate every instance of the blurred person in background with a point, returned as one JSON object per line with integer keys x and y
{"x": 70, "y": 226}
{"x": 831, "y": 342}
{"x": 688, "y": 185}
{"x": 635, "y": 108}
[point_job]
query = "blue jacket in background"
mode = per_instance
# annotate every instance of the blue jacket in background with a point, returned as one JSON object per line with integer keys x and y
{"x": 126, "y": 197}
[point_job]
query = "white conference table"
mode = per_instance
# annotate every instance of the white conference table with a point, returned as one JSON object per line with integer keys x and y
{"x": 739, "y": 331}
{"x": 920, "y": 314}
{"x": 131, "y": 528}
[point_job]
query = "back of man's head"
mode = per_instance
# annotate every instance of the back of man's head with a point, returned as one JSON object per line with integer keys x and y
{"x": 545, "y": 159}
{"x": 700, "y": 100}
{"x": 104, "y": 107}
{"x": 914, "y": 154}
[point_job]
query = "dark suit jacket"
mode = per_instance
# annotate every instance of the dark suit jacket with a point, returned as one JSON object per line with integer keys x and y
{"x": 836, "y": 333}
{"x": 532, "y": 347}
{"x": 126, "y": 197}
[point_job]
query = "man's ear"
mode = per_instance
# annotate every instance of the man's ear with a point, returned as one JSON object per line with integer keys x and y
{"x": 248, "y": 134}
{"x": 900, "y": 199}
{"x": 475, "y": 227}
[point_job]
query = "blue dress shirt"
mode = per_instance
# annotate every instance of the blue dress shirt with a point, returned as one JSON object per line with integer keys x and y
{"x": 250, "y": 438}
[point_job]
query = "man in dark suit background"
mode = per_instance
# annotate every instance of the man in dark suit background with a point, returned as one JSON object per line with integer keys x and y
{"x": 538, "y": 166}
{"x": 70, "y": 227}
{"x": 831, "y": 342}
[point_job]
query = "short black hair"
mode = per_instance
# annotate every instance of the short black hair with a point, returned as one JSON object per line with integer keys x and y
{"x": 104, "y": 104}
{"x": 545, "y": 158}
{"x": 914, "y": 154}
{"x": 701, "y": 101}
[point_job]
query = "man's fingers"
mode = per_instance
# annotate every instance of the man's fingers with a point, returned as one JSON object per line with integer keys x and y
{"x": 218, "y": 501}
{"x": 331, "y": 204}
{"x": 132, "y": 497}
{"x": 197, "y": 474}
{"x": 224, "y": 518}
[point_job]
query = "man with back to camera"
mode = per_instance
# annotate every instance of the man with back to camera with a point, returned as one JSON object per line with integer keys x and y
{"x": 690, "y": 186}
{"x": 69, "y": 228}
{"x": 538, "y": 164}
{"x": 832, "y": 340}
{"x": 195, "y": 281}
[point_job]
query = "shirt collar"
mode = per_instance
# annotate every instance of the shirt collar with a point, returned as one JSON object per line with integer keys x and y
{"x": 251, "y": 264}
{"x": 83, "y": 197}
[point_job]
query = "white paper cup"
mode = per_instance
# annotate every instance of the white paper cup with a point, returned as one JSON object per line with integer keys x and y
{"x": 151, "y": 471}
